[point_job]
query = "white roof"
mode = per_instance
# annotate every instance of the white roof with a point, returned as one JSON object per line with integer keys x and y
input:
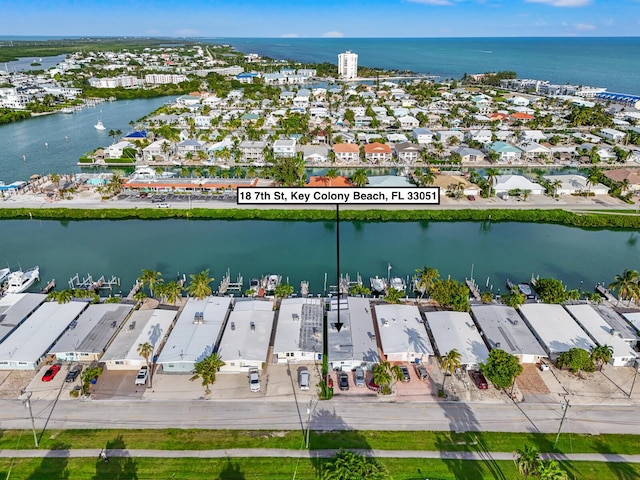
{"x": 196, "y": 332}
{"x": 456, "y": 330}
{"x": 555, "y": 327}
{"x": 94, "y": 328}
{"x": 402, "y": 331}
{"x": 577, "y": 183}
{"x": 504, "y": 329}
{"x": 512, "y": 182}
{"x": 15, "y": 307}
{"x": 600, "y": 330}
{"x": 144, "y": 326}
{"x": 35, "y": 336}
{"x": 356, "y": 340}
{"x": 239, "y": 341}
{"x": 625, "y": 330}
{"x": 299, "y": 326}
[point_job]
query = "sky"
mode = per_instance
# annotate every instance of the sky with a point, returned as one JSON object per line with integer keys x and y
{"x": 321, "y": 18}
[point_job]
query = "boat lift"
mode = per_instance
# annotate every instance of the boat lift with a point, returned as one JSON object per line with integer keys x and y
{"x": 226, "y": 285}
{"x": 88, "y": 283}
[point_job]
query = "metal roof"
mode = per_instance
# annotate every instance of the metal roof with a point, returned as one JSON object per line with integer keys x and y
{"x": 402, "y": 330}
{"x": 15, "y": 308}
{"x": 299, "y": 326}
{"x": 456, "y": 330}
{"x": 356, "y": 341}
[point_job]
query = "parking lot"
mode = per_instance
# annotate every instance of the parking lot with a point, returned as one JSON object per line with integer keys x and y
{"x": 151, "y": 199}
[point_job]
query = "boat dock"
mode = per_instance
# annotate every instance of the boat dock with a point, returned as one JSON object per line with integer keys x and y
{"x": 227, "y": 286}
{"x": 606, "y": 293}
{"x": 88, "y": 283}
{"x": 49, "y": 286}
{"x": 473, "y": 288}
{"x": 135, "y": 289}
{"x": 304, "y": 288}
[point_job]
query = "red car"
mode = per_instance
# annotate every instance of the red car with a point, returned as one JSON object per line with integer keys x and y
{"x": 479, "y": 380}
{"x": 50, "y": 373}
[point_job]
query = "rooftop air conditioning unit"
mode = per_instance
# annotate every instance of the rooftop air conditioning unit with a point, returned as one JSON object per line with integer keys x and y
{"x": 233, "y": 326}
{"x": 253, "y": 326}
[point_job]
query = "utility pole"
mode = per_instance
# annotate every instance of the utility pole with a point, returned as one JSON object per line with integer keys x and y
{"x": 310, "y": 409}
{"x": 27, "y": 403}
{"x": 565, "y": 407}
{"x": 635, "y": 375}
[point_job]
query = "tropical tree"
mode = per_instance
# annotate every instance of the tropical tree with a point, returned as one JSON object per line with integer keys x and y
{"x": 576, "y": 359}
{"x": 384, "y": 373}
{"x": 199, "y": 285}
{"x": 331, "y": 174}
{"x": 514, "y": 298}
{"x": 359, "y": 178}
{"x": 451, "y": 293}
{"x": 501, "y": 368}
{"x": 551, "y": 290}
{"x": 551, "y": 470}
{"x": 450, "y": 362}
{"x": 601, "y": 354}
{"x": 206, "y": 370}
{"x": 425, "y": 277}
{"x": 527, "y": 460}
{"x": 283, "y": 290}
{"x": 357, "y": 289}
{"x": 627, "y": 285}
{"x": 492, "y": 176}
{"x": 151, "y": 278}
{"x": 351, "y": 465}
{"x": 393, "y": 296}
{"x": 145, "y": 350}
{"x": 139, "y": 296}
{"x": 172, "y": 291}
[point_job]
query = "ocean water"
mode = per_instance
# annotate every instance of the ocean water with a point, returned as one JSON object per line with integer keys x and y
{"x": 613, "y": 63}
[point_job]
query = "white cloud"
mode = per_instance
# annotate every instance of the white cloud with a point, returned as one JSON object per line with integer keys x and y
{"x": 290, "y": 35}
{"x": 563, "y": 3}
{"x": 585, "y": 26}
{"x": 333, "y": 34}
{"x": 432, "y": 2}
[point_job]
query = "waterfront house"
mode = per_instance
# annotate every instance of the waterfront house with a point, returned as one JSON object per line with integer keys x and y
{"x": 535, "y": 151}
{"x": 423, "y": 135}
{"x": 612, "y": 134}
{"x": 252, "y": 150}
{"x": 315, "y": 153}
{"x": 469, "y": 155}
{"x": 196, "y": 334}
{"x": 408, "y": 152}
{"x": 116, "y": 150}
{"x": 456, "y": 330}
{"x": 299, "y": 333}
{"x": 284, "y": 148}
{"x": 346, "y": 152}
{"x": 14, "y": 309}
{"x": 448, "y": 182}
{"x": 191, "y": 146}
{"x": 324, "y": 181}
{"x": 480, "y": 136}
{"x": 407, "y": 122}
{"x": 143, "y": 326}
{"x": 402, "y": 333}
{"x": 355, "y": 344}
{"x": 391, "y": 137}
{"x": 575, "y": 184}
{"x": 377, "y": 153}
{"x": 388, "y": 181}
{"x": 245, "y": 340}
{"x": 503, "y": 328}
{"x": 29, "y": 343}
{"x": 632, "y": 177}
{"x": 91, "y": 333}
{"x": 527, "y": 136}
{"x": 160, "y": 150}
{"x": 446, "y": 136}
{"x": 506, "y": 152}
{"x": 555, "y": 329}
{"x": 505, "y": 183}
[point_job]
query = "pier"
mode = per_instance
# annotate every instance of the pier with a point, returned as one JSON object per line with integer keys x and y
{"x": 473, "y": 288}
{"x": 88, "y": 283}
{"x": 135, "y": 289}
{"x": 49, "y": 286}
{"x": 227, "y": 286}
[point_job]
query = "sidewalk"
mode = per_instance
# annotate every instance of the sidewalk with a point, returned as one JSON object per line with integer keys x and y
{"x": 287, "y": 453}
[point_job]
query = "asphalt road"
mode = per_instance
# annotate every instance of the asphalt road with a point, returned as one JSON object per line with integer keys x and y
{"x": 330, "y": 415}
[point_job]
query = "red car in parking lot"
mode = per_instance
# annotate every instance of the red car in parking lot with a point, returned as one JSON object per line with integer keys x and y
{"x": 479, "y": 380}
{"x": 50, "y": 373}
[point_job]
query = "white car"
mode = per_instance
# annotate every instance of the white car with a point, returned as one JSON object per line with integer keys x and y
{"x": 254, "y": 379}
{"x": 141, "y": 379}
{"x": 304, "y": 379}
{"x": 164, "y": 205}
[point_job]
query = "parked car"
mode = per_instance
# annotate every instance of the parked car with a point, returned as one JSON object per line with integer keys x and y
{"x": 479, "y": 380}
{"x": 157, "y": 199}
{"x": 164, "y": 205}
{"x": 421, "y": 372}
{"x": 143, "y": 373}
{"x": 471, "y": 198}
{"x": 73, "y": 373}
{"x": 343, "y": 381}
{"x": 254, "y": 379}
{"x": 304, "y": 379}
{"x": 51, "y": 373}
{"x": 405, "y": 373}
{"x": 358, "y": 377}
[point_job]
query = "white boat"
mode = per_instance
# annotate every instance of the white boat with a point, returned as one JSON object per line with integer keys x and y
{"x": 398, "y": 283}
{"x": 4, "y": 273}
{"x": 378, "y": 284}
{"x": 20, "y": 281}
{"x": 271, "y": 282}
{"x": 99, "y": 125}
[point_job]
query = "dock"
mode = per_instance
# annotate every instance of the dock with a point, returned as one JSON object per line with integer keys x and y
{"x": 227, "y": 286}
{"x": 304, "y": 288}
{"x": 88, "y": 283}
{"x": 473, "y": 288}
{"x": 49, "y": 286}
{"x": 606, "y": 293}
{"x": 135, "y": 289}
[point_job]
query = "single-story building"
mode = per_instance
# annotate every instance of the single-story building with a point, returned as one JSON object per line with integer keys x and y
{"x": 33, "y": 339}
{"x": 506, "y": 183}
{"x": 572, "y": 184}
{"x": 555, "y": 329}
{"x": 245, "y": 340}
{"x": 502, "y": 328}
{"x": 402, "y": 333}
{"x": 196, "y": 334}
{"x": 88, "y": 337}
{"x": 456, "y": 330}
{"x": 299, "y": 333}
{"x": 15, "y": 308}
{"x": 143, "y": 326}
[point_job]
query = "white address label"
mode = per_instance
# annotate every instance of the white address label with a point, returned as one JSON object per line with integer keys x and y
{"x": 338, "y": 195}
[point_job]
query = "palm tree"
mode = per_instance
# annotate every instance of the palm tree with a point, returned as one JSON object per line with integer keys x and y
{"x": 393, "y": 296}
{"x": 527, "y": 460}
{"x": 206, "y": 370}
{"x": 551, "y": 470}
{"x": 492, "y": 175}
{"x": 145, "y": 350}
{"x": 359, "y": 177}
{"x": 139, "y": 296}
{"x": 331, "y": 174}
{"x": 199, "y": 285}
{"x": 64, "y": 296}
{"x": 627, "y": 285}
{"x": 602, "y": 354}
{"x": 151, "y": 278}
{"x": 425, "y": 278}
{"x": 450, "y": 362}
{"x": 384, "y": 374}
{"x": 283, "y": 290}
{"x": 172, "y": 291}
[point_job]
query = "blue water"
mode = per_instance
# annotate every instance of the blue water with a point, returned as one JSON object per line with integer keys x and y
{"x": 613, "y": 63}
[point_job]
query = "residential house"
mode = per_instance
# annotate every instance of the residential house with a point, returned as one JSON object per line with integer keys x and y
{"x": 346, "y": 152}
{"x": 252, "y": 151}
{"x": 408, "y": 152}
{"x": 519, "y": 101}
{"x": 160, "y": 150}
{"x": 446, "y": 136}
{"x": 535, "y": 151}
{"x": 612, "y": 134}
{"x": 469, "y": 155}
{"x": 506, "y": 153}
{"x": 574, "y": 184}
{"x": 631, "y": 177}
{"x": 315, "y": 153}
{"x": 481, "y": 136}
{"x": 284, "y": 148}
{"x": 423, "y": 136}
{"x": 377, "y": 153}
{"x": 116, "y": 150}
{"x": 527, "y": 136}
{"x": 191, "y": 147}
{"x": 505, "y": 183}
{"x": 408, "y": 122}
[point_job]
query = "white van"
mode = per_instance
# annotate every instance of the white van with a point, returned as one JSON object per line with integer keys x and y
{"x": 304, "y": 379}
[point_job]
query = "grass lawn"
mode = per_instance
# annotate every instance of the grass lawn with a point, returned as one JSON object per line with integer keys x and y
{"x": 279, "y": 468}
